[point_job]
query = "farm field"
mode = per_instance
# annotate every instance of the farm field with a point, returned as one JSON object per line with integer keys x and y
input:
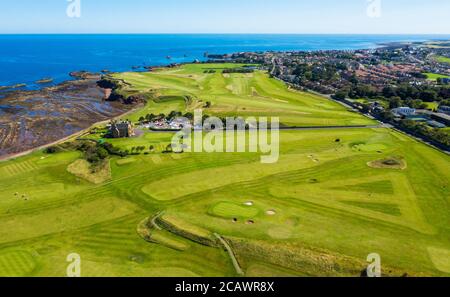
{"x": 335, "y": 196}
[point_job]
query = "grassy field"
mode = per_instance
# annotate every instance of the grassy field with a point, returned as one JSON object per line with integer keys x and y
{"x": 432, "y": 105}
{"x": 442, "y": 59}
{"x": 435, "y": 76}
{"x": 235, "y": 94}
{"x": 319, "y": 211}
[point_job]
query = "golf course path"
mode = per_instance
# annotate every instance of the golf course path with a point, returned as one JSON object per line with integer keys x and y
{"x": 231, "y": 254}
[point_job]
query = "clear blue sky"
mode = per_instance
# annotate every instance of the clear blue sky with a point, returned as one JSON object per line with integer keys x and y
{"x": 225, "y": 16}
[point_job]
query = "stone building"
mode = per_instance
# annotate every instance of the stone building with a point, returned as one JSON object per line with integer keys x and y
{"x": 121, "y": 129}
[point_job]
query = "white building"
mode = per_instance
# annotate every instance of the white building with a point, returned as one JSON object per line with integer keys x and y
{"x": 404, "y": 111}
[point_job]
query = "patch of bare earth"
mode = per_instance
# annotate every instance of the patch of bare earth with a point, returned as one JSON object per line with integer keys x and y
{"x": 389, "y": 163}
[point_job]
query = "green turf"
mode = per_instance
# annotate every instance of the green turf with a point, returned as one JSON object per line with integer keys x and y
{"x": 236, "y": 94}
{"x": 319, "y": 211}
{"x": 442, "y": 59}
{"x": 232, "y": 210}
{"x": 435, "y": 76}
{"x": 432, "y": 105}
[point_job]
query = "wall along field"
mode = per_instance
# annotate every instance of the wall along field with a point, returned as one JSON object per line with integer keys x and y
{"x": 335, "y": 196}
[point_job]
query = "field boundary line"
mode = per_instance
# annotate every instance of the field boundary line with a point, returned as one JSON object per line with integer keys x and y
{"x": 153, "y": 221}
{"x": 231, "y": 254}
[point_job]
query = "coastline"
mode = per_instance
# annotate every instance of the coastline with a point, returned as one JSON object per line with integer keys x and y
{"x": 34, "y": 119}
{"x": 74, "y": 136}
{"x": 76, "y": 79}
{"x": 94, "y": 52}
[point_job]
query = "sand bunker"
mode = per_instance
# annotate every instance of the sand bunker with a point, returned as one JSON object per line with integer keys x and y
{"x": 271, "y": 212}
{"x": 248, "y": 203}
{"x": 250, "y": 222}
{"x": 389, "y": 163}
{"x": 313, "y": 158}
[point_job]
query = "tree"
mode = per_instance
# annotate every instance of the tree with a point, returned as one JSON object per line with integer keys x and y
{"x": 354, "y": 79}
{"x": 102, "y": 153}
{"x": 395, "y": 102}
{"x": 189, "y": 115}
{"x": 389, "y": 92}
{"x": 341, "y": 94}
{"x": 428, "y": 95}
{"x": 52, "y": 150}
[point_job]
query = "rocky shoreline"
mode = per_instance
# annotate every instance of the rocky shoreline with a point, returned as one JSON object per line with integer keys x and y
{"x": 31, "y": 119}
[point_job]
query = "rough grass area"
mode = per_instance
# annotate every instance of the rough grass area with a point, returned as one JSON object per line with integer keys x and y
{"x": 95, "y": 174}
{"x": 186, "y": 230}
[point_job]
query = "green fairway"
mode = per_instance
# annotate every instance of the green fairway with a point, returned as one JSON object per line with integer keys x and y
{"x": 232, "y": 210}
{"x": 435, "y": 76}
{"x": 249, "y": 94}
{"x": 335, "y": 196}
{"x": 442, "y": 59}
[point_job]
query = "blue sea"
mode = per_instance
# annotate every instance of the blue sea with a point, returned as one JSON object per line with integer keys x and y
{"x": 28, "y": 58}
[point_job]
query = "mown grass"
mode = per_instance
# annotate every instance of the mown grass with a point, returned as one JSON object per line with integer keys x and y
{"x": 435, "y": 76}
{"x": 236, "y": 94}
{"x": 442, "y": 59}
{"x": 328, "y": 208}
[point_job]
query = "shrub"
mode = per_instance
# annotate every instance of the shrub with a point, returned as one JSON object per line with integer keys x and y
{"x": 52, "y": 150}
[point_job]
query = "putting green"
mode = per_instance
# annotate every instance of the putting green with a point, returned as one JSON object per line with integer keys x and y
{"x": 235, "y": 94}
{"x": 15, "y": 263}
{"x": 232, "y": 210}
{"x": 82, "y": 168}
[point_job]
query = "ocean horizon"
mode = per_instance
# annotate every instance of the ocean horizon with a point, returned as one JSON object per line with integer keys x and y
{"x": 26, "y": 58}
